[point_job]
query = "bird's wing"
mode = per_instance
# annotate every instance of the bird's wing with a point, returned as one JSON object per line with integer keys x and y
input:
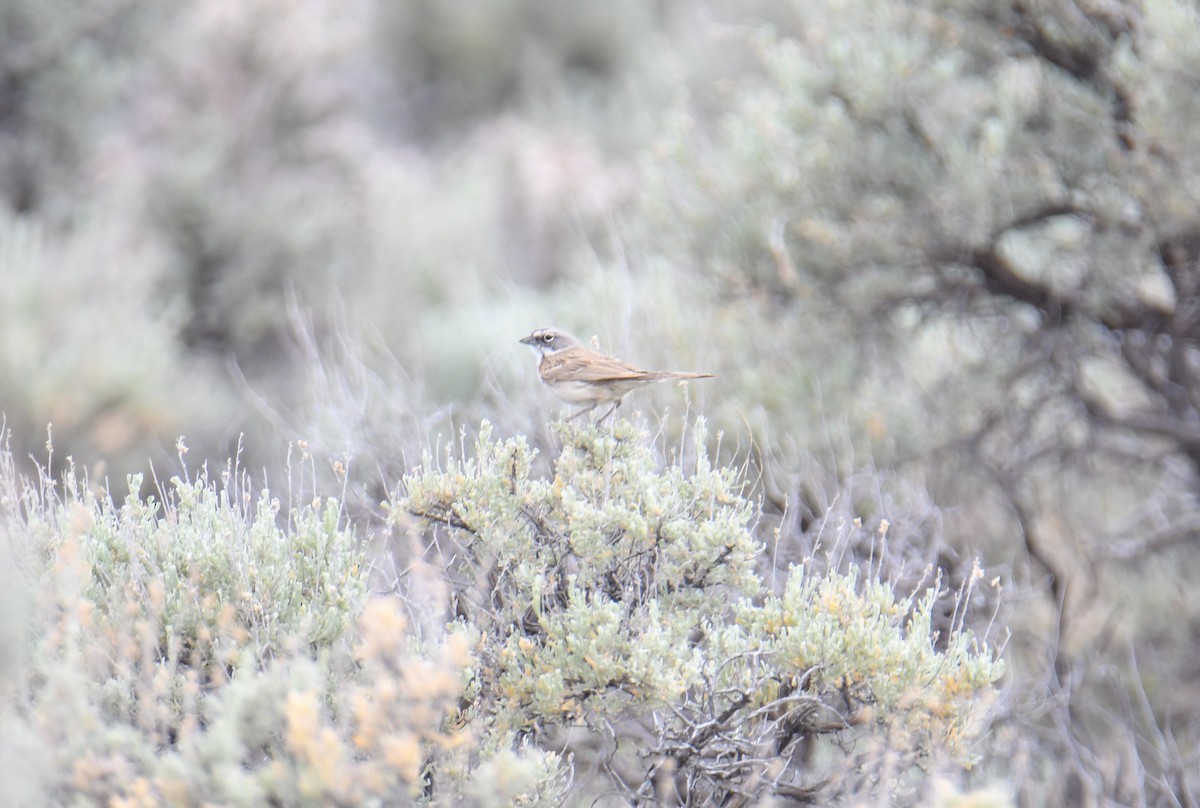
{"x": 582, "y": 365}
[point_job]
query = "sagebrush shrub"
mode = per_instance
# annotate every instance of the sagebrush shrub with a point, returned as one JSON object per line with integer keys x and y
{"x": 213, "y": 645}
{"x": 624, "y": 589}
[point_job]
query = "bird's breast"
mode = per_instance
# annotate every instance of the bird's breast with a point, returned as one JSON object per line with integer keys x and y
{"x": 577, "y": 392}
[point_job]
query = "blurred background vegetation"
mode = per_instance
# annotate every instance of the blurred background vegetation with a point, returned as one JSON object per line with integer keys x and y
{"x": 944, "y": 258}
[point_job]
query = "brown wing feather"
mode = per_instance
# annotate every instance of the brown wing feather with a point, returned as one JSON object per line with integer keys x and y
{"x": 582, "y": 365}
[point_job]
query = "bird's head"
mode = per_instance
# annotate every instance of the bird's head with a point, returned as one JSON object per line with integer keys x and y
{"x": 550, "y": 340}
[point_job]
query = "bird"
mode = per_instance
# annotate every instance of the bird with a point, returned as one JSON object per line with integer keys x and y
{"x": 579, "y": 375}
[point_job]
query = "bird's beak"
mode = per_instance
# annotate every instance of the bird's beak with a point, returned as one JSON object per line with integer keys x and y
{"x": 529, "y": 340}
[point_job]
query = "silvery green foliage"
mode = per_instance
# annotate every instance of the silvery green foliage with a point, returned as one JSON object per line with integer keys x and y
{"x": 589, "y": 585}
{"x": 620, "y": 591}
{"x": 211, "y": 547}
{"x": 159, "y": 638}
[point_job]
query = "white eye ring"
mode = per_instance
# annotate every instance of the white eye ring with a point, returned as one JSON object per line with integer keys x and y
{"x": 547, "y": 338}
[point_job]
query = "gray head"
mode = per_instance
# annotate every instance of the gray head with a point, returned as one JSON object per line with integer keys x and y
{"x": 550, "y": 340}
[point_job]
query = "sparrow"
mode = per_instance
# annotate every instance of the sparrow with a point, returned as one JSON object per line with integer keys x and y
{"x": 578, "y": 375}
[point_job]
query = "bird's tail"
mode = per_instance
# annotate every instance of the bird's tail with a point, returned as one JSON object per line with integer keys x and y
{"x": 664, "y": 375}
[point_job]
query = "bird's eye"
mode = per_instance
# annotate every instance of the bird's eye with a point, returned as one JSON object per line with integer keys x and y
{"x": 547, "y": 338}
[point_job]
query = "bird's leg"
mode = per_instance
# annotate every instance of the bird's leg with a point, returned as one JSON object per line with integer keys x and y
{"x": 611, "y": 410}
{"x": 584, "y": 411}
